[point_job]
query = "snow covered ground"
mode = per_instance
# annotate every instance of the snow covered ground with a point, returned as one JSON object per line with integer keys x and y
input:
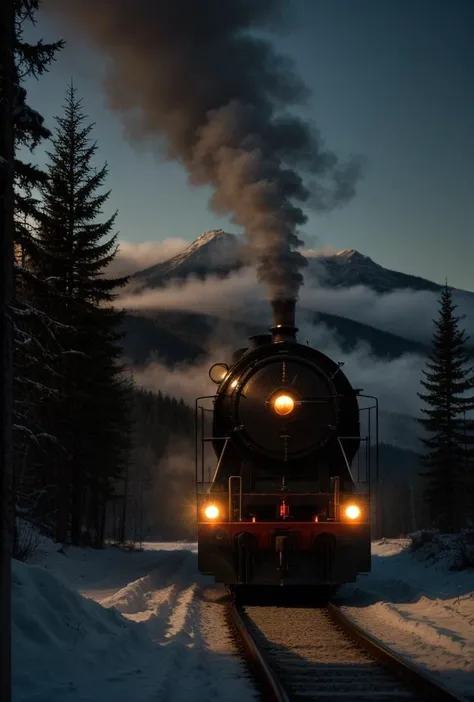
{"x": 114, "y": 625}
{"x": 420, "y": 609}
{"x": 159, "y": 632}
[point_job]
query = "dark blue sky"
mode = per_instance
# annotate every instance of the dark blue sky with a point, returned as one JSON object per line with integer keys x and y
{"x": 392, "y": 80}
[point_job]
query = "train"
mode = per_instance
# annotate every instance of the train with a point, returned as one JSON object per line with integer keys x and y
{"x": 285, "y": 499}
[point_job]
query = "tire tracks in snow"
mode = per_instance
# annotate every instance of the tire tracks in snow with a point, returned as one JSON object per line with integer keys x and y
{"x": 196, "y": 657}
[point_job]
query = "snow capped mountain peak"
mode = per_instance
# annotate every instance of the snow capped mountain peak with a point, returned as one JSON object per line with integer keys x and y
{"x": 207, "y": 237}
{"x": 346, "y": 253}
{"x": 214, "y": 252}
{"x": 350, "y": 255}
{"x": 219, "y": 253}
{"x": 212, "y": 246}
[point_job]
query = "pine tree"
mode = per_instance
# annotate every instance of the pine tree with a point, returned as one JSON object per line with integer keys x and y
{"x": 32, "y": 60}
{"x": 448, "y": 380}
{"x": 33, "y": 362}
{"x": 92, "y": 417}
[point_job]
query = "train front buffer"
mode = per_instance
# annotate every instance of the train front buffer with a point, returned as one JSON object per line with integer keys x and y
{"x": 323, "y": 550}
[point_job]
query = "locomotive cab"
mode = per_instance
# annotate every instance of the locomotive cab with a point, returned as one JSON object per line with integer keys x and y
{"x": 287, "y": 501}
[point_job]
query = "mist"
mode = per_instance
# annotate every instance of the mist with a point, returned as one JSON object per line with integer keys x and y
{"x": 394, "y": 381}
{"x": 406, "y": 313}
{"x": 395, "y": 384}
{"x": 199, "y": 81}
{"x": 175, "y": 516}
{"x": 223, "y": 297}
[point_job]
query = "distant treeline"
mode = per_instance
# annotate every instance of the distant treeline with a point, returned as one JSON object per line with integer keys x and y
{"x": 156, "y": 497}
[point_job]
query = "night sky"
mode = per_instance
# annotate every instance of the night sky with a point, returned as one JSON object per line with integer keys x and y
{"x": 391, "y": 80}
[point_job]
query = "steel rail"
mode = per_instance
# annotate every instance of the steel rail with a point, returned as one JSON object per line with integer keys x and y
{"x": 415, "y": 677}
{"x": 274, "y": 691}
{"x": 425, "y": 685}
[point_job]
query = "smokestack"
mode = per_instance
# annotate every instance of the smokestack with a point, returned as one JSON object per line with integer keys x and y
{"x": 284, "y": 328}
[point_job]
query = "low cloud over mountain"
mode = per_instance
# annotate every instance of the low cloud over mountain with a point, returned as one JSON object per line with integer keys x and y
{"x": 210, "y": 276}
{"x": 197, "y": 306}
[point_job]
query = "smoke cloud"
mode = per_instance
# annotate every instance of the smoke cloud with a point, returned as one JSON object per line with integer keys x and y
{"x": 195, "y": 74}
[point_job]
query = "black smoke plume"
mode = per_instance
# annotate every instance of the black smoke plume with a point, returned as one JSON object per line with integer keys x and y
{"x": 196, "y": 73}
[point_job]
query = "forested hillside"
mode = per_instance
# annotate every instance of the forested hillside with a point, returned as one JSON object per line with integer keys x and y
{"x": 177, "y": 337}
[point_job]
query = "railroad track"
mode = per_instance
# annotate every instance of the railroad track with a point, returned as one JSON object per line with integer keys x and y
{"x": 304, "y": 654}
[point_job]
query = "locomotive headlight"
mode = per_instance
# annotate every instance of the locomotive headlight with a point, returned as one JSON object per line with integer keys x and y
{"x": 218, "y": 372}
{"x": 283, "y": 405}
{"x": 211, "y": 512}
{"x": 352, "y": 512}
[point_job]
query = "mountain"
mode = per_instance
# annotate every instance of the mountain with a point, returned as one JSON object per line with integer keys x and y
{"x": 348, "y": 267}
{"x": 179, "y": 337}
{"x": 383, "y": 343}
{"x": 213, "y": 253}
{"x": 219, "y": 253}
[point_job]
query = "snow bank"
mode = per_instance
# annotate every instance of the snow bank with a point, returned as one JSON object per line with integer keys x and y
{"x": 418, "y": 606}
{"x": 149, "y": 629}
{"x": 59, "y": 636}
{"x": 455, "y": 551}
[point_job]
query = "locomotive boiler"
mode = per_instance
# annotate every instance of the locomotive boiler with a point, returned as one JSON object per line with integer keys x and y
{"x": 283, "y": 502}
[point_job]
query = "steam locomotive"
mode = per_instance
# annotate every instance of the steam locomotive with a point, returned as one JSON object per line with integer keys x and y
{"x": 285, "y": 503}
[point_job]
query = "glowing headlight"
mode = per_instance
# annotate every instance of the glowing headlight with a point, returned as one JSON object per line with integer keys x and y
{"x": 352, "y": 512}
{"x": 211, "y": 512}
{"x": 283, "y": 404}
{"x": 218, "y": 372}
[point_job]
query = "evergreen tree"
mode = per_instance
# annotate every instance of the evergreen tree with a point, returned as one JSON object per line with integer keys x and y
{"x": 32, "y": 61}
{"x": 447, "y": 458}
{"x": 33, "y": 362}
{"x": 92, "y": 416}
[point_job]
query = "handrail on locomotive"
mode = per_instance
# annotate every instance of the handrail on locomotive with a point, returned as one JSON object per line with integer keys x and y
{"x": 372, "y": 413}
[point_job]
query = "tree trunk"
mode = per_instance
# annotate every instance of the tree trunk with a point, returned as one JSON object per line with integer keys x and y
{"x": 102, "y": 524}
{"x": 124, "y": 507}
{"x": 62, "y": 500}
{"x": 7, "y": 71}
{"x": 76, "y": 504}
